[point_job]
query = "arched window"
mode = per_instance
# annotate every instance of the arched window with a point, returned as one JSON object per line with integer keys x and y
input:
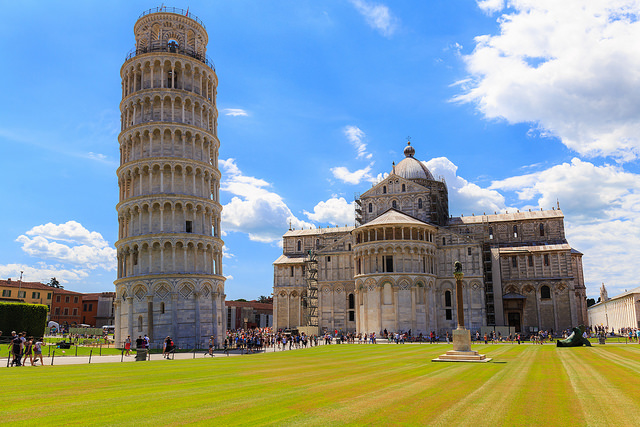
{"x": 515, "y": 231}
{"x": 352, "y": 302}
{"x": 541, "y": 229}
{"x": 393, "y": 204}
{"x": 384, "y": 189}
{"x": 299, "y": 245}
{"x": 317, "y": 243}
{"x": 419, "y": 203}
{"x": 403, "y": 188}
{"x": 447, "y": 299}
{"x": 545, "y": 292}
{"x": 370, "y": 207}
{"x": 490, "y": 232}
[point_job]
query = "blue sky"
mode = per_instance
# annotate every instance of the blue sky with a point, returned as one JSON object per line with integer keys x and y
{"x": 517, "y": 104}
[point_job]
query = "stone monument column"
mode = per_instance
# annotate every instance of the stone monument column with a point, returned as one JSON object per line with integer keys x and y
{"x": 461, "y": 336}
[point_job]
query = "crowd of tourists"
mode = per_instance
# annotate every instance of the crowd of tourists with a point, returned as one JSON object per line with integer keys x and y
{"x": 22, "y": 348}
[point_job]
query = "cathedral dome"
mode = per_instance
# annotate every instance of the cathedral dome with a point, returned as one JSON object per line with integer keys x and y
{"x": 412, "y": 168}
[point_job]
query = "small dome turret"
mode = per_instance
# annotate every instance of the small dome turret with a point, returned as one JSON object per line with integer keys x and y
{"x": 412, "y": 168}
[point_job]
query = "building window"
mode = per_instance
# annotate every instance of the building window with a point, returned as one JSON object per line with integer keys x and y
{"x": 419, "y": 203}
{"x": 292, "y": 271}
{"x": 359, "y": 266}
{"x": 228, "y": 317}
{"x": 515, "y": 231}
{"x": 90, "y": 307}
{"x": 188, "y": 227}
{"x": 545, "y": 292}
{"x": 135, "y": 258}
{"x": 66, "y": 311}
{"x": 352, "y": 316}
{"x": 352, "y": 301}
{"x": 49, "y": 295}
{"x": 6, "y": 293}
{"x": 546, "y": 259}
{"x": 75, "y": 311}
{"x": 349, "y": 246}
{"x": 299, "y": 245}
{"x": 161, "y": 308}
{"x": 84, "y": 307}
{"x": 490, "y": 232}
{"x": 444, "y": 241}
{"x": 447, "y": 299}
{"x": 370, "y": 207}
{"x": 448, "y": 315}
{"x": 35, "y": 295}
{"x": 393, "y": 204}
{"x": 22, "y": 294}
{"x": 388, "y": 263}
{"x": 328, "y": 259}
{"x": 403, "y": 188}
{"x": 67, "y": 299}
{"x": 469, "y": 251}
{"x": 57, "y": 311}
{"x": 75, "y": 300}
{"x": 384, "y": 189}
{"x": 57, "y": 298}
{"x": 541, "y": 230}
{"x": 530, "y": 258}
{"x": 317, "y": 243}
{"x": 514, "y": 261}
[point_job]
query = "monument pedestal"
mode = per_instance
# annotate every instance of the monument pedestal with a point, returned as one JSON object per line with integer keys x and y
{"x": 462, "y": 349}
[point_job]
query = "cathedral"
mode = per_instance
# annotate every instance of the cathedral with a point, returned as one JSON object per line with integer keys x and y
{"x": 394, "y": 270}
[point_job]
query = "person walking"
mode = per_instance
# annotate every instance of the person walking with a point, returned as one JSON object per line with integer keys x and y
{"x": 16, "y": 348}
{"x": 28, "y": 351}
{"x": 127, "y": 346}
{"x": 37, "y": 349}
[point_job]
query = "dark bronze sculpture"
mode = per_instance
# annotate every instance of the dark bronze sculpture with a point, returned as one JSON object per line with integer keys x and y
{"x": 575, "y": 339}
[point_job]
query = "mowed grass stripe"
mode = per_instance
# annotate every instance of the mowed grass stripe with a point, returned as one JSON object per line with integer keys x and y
{"x": 591, "y": 378}
{"x": 332, "y": 385}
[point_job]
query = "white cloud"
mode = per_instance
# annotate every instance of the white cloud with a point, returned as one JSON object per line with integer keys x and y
{"x": 465, "y": 197}
{"x": 69, "y": 243}
{"x": 377, "y": 16}
{"x": 234, "y": 112}
{"x": 68, "y": 252}
{"x": 355, "y": 177}
{"x": 602, "y": 215}
{"x": 254, "y": 210}
{"x": 491, "y": 6}
{"x": 42, "y": 273}
{"x": 355, "y": 135}
{"x": 570, "y": 68}
{"x": 335, "y": 211}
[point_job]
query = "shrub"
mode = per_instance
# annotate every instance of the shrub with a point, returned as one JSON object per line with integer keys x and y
{"x": 20, "y": 317}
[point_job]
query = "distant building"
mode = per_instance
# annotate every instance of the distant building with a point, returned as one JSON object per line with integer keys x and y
{"x": 66, "y": 307}
{"x": 97, "y": 309}
{"x": 28, "y": 292}
{"x": 622, "y": 311}
{"x": 248, "y": 314}
{"x": 394, "y": 270}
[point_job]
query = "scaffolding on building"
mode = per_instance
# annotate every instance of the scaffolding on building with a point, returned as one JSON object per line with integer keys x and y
{"x": 310, "y": 299}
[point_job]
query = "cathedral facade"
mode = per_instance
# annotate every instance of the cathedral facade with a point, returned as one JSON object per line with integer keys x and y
{"x": 393, "y": 270}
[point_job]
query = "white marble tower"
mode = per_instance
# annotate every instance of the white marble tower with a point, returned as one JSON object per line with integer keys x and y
{"x": 170, "y": 280}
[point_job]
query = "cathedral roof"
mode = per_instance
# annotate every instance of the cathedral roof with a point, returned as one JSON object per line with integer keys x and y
{"x": 533, "y": 249}
{"x": 317, "y": 231}
{"x": 393, "y": 216}
{"x": 506, "y": 217}
{"x": 410, "y": 167}
{"x": 283, "y": 259}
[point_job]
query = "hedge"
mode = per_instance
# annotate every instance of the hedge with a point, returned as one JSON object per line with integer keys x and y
{"x": 20, "y": 317}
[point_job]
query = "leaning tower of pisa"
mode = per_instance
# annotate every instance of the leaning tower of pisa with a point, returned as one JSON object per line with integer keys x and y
{"x": 170, "y": 280}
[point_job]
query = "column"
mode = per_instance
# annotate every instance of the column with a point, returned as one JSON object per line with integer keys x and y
{"x": 150, "y": 317}
{"x": 174, "y": 316}
{"x": 198, "y": 329}
{"x": 214, "y": 317}
{"x": 130, "y": 316}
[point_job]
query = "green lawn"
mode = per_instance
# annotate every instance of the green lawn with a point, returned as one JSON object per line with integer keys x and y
{"x": 340, "y": 384}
